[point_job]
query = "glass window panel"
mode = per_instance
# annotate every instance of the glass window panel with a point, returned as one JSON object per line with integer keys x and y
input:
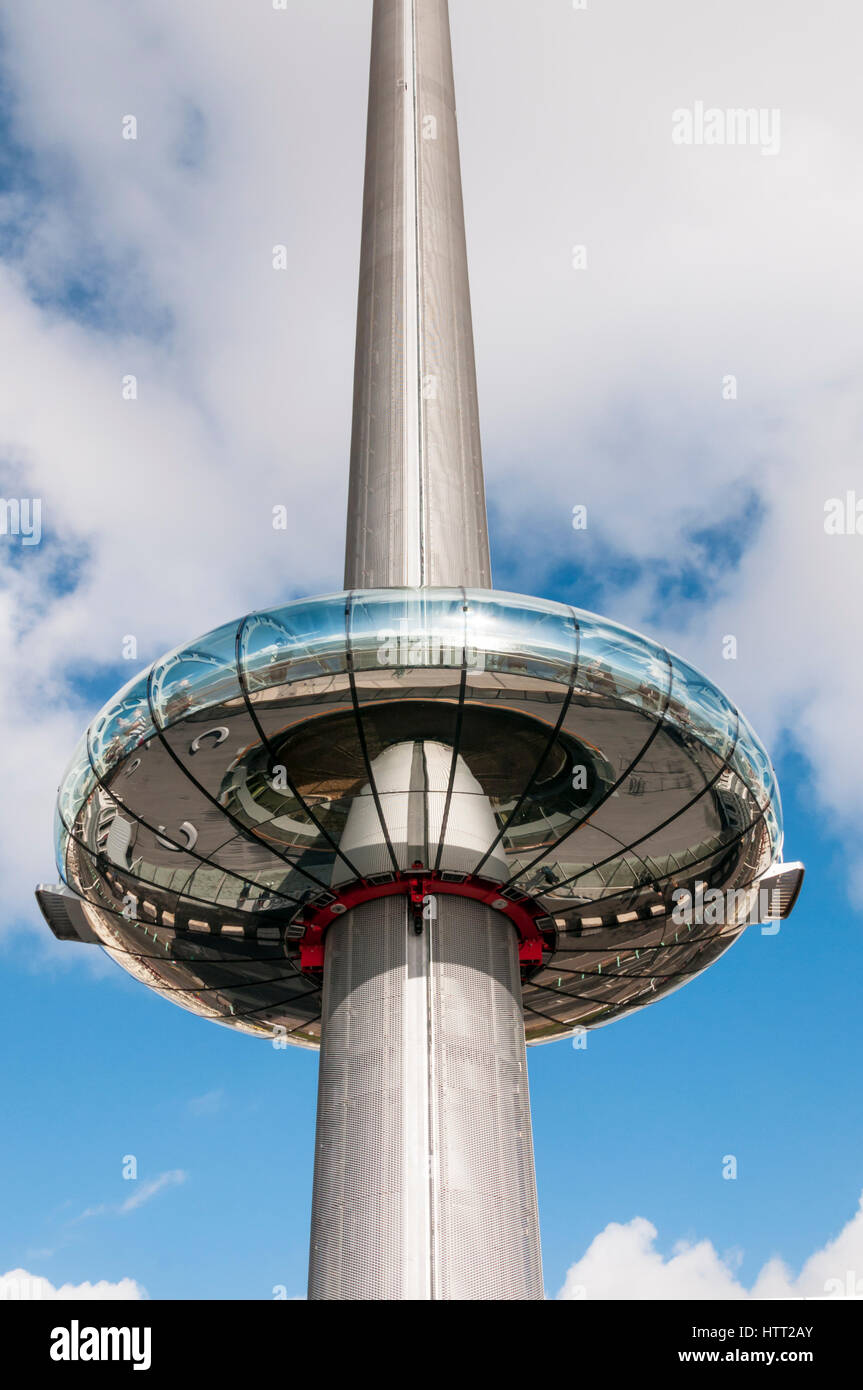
{"x": 521, "y": 636}
{"x": 88, "y": 877}
{"x": 662, "y": 821}
{"x": 61, "y": 844}
{"x": 196, "y": 677}
{"x": 400, "y": 629}
{"x": 278, "y": 855}
{"x": 78, "y": 782}
{"x": 323, "y": 762}
{"x": 614, "y": 661}
{"x": 295, "y": 642}
{"x": 698, "y": 707}
{"x": 751, "y": 762}
{"x": 121, "y": 726}
{"x": 773, "y": 821}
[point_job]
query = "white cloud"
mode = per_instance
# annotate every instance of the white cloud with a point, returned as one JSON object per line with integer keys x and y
{"x": 622, "y": 1262}
{"x": 141, "y": 1193}
{"x": 18, "y": 1284}
{"x": 605, "y": 382}
{"x": 161, "y": 508}
{"x": 208, "y": 1104}
{"x": 148, "y": 1190}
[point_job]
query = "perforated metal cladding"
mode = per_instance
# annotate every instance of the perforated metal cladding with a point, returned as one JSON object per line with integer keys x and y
{"x": 486, "y": 1225}
{"x": 416, "y": 508}
{"x": 357, "y": 1237}
{"x": 424, "y": 1180}
{"x": 375, "y": 536}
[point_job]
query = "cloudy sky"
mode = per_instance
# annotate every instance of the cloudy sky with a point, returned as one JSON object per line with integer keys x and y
{"x": 603, "y": 373}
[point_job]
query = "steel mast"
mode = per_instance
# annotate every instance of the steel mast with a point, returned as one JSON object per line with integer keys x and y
{"x": 424, "y": 1175}
{"x": 416, "y": 510}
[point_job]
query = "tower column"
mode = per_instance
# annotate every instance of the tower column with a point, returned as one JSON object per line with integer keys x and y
{"x": 424, "y": 1181}
{"x": 416, "y": 504}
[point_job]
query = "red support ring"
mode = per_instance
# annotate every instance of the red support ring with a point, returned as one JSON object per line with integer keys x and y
{"x": 420, "y": 884}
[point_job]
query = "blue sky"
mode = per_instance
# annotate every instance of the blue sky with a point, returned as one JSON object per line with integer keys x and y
{"x": 758, "y": 1058}
{"x": 705, "y": 519}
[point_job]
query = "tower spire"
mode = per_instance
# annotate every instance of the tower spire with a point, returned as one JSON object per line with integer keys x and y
{"x": 416, "y": 509}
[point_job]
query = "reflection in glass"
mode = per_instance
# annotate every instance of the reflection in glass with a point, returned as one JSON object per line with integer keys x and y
{"x": 196, "y": 677}
{"x": 618, "y": 663}
{"x": 404, "y": 629}
{"x": 78, "y": 782}
{"x": 300, "y": 640}
{"x": 698, "y": 707}
{"x": 122, "y": 726}
{"x": 522, "y": 636}
{"x": 605, "y": 771}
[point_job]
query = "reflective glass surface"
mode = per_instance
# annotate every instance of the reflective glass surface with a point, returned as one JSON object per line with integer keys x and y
{"x": 278, "y": 758}
{"x": 122, "y": 725}
{"x": 196, "y": 677}
{"x": 298, "y": 641}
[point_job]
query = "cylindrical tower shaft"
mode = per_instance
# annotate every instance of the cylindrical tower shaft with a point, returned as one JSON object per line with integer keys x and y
{"x": 416, "y": 509}
{"x": 424, "y": 1180}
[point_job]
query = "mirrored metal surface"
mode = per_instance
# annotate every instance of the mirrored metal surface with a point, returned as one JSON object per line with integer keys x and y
{"x": 244, "y": 775}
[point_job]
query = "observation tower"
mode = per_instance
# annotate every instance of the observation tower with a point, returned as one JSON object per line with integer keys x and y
{"x": 418, "y": 823}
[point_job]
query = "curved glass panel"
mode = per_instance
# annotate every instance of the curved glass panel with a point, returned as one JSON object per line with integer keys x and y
{"x": 618, "y": 663}
{"x": 698, "y": 707}
{"x": 751, "y": 762}
{"x": 477, "y": 734}
{"x": 773, "y": 821}
{"x": 300, "y": 640}
{"x": 122, "y": 726}
{"x": 196, "y": 677}
{"x": 61, "y": 845}
{"x": 520, "y": 636}
{"x": 401, "y": 629}
{"x": 78, "y": 782}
